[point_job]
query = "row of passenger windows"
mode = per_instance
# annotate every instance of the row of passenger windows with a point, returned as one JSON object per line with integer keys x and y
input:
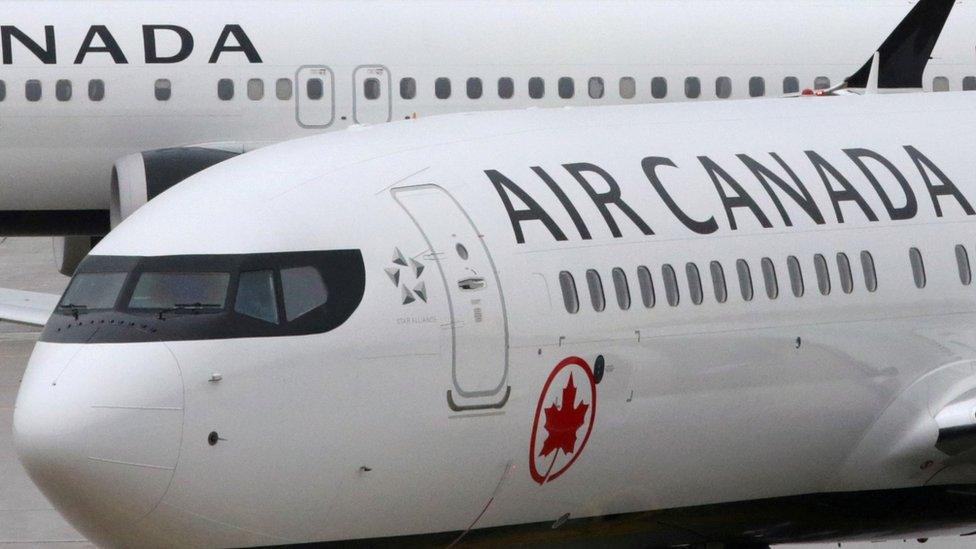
{"x": 743, "y": 273}
{"x": 163, "y": 89}
{"x": 719, "y": 288}
{"x": 596, "y": 87}
{"x": 474, "y": 88}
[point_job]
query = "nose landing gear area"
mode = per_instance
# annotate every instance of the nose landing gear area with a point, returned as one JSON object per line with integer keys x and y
{"x": 100, "y": 434}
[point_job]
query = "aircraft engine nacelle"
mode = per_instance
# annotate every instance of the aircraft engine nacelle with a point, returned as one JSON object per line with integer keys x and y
{"x": 138, "y": 178}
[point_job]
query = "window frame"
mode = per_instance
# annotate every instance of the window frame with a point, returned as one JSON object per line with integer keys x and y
{"x": 621, "y": 288}
{"x": 594, "y": 284}
{"x": 567, "y": 284}
{"x": 671, "y": 290}
{"x": 795, "y": 272}
{"x": 963, "y": 264}
{"x": 869, "y": 271}
{"x": 645, "y": 280}
{"x": 744, "y": 274}
{"x": 844, "y": 273}
{"x": 917, "y": 263}
{"x": 770, "y": 280}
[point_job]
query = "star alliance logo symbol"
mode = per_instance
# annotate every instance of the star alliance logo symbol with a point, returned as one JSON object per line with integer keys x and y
{"x": 404, "y": 269}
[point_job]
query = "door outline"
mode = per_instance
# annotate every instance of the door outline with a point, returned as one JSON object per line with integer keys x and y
{"x": 300, "y": 93}
{"x": 452, "y": 403}
{"x": 389, "y": 93}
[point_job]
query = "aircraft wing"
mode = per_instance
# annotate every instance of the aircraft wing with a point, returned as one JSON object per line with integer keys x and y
{"x": 27, "y": 307}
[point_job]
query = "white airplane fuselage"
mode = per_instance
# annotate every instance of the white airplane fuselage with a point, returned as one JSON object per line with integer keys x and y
{"x": 449, "y": 384}
{"x": 220, "y": 66}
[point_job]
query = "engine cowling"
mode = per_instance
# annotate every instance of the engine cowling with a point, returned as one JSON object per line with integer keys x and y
{"x": 138, "y": 178}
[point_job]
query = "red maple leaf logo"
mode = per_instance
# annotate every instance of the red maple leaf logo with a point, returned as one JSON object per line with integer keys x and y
{"x": 563, "y": 423}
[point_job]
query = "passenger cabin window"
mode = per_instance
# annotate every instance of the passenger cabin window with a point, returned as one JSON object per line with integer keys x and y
{"x": 408, "y": 88}
{"x": 372, "y": 89}
{"x": 570, "y": 297}
{"x": 969, "y": 83}
{"x": 96, "y": 90}
{"x": 791, "y": 84}
{"x": 255, "y": 89}
{"x": 595, "y": 285}
{"x": 694, "y": 284}
{"x": 93, "y": 291}
{"x": 757, "y": 86}
{"x": 537, "y": 87}
{"x": 692, "y": 87}
{"x": 745, "y": 279}
{"x": 659, "y": 87}
{"x": 315, "y": 89}
{"x": 821, "y": 83}
{"x": 596, "y": 88}
{"x": 846, "y": 276}
{"x": 628, "y": 87}
{"x": 621, "y": 288}
{"x": 163, "y": 89}
{"x": 962, "y": 261}
{"x": 718, "y": 282}
{"x": 723, "y": 87}
{"x": 284, "y": 89}
{"x": 870, "y": 277}
{"x": 62, "y": 90}
{"x": 475, "y": 88}
{"x": 796, "y": 275}
{"x": 769, "y": 277}
{"x": 567, "y": 87}
{"x": 225, "y": 89}
{"x": 646, "y": 284}
{"x": 256, "y": 296}
{"x": 32, "y": 90}
{"x": 918, "y": 267}
{"x": 303, "y": 290}
{"x": 506, "y": 88}
{"x": 940, "y": 84}
{"x": 823, "y": 275}
{"x": 192, "y": 293}
{"x": 670, "y": 285}
{"x": 442, "y": 88}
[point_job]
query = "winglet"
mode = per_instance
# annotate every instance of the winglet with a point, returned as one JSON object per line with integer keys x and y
{"x": 907, "y": 50}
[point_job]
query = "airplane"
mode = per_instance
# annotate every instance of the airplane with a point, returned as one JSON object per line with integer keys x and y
{"x": 737, "y": 323}
{"x": 103, "y": 105}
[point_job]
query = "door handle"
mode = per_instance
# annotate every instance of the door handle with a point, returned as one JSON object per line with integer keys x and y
{"x": 473, "y": 283}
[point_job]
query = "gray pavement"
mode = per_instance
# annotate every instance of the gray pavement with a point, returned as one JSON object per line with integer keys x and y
{"x": 27, "y": 520}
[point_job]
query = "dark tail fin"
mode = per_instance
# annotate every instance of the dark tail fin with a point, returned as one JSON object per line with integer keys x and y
{"x": 908, "y": 49}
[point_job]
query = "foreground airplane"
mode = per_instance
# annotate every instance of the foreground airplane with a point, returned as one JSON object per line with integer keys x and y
{"x": 745, "y": 322}
{"x": 159, "y": 90}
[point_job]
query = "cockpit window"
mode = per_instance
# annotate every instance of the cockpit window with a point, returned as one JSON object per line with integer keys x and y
{"x": 304, "y": 291}
{"x": 90, "y": 291}
{"x": 256, "y": 296}
{"x": 181, "y": 291}
{"x": 126, "y": 299}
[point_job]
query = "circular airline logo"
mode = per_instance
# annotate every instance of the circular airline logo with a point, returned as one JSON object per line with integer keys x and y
{"x": 563, "y": 420}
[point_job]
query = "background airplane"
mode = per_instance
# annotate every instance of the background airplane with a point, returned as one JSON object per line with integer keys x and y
{"x": 105, "y": 104}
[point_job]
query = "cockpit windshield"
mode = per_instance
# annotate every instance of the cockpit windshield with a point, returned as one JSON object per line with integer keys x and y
{"x": 169, "y": 298}
{"x": 181, "y": 291}
{"x": 93, "y": 291}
